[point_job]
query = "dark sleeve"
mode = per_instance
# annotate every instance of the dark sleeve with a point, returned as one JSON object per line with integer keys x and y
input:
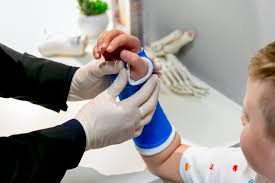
{"x": 42, "y": 156}
{"x": 38, "y": 80}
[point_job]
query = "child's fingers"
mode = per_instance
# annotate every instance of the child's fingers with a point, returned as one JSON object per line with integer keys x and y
{"x": 96, "y": 53}
{"x": 138, "y": 66}
{"x": 157, "y": 67}
{"x": 137, "y": 63}
{"x": 100, "y": 41}
{"x": 124, "y": 40}
{"x": 107, "y": 38}
{"x": 97, "y": 48}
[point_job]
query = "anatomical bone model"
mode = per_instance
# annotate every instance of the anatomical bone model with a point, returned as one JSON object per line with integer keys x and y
{"x": 175, "y": 76}
{"x": 63, "y": 45}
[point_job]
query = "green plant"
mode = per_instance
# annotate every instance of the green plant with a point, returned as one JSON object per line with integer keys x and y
{"x": 92, "y": 7}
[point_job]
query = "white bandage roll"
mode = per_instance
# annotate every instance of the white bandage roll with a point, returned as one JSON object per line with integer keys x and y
{"x": 60, "y": 45}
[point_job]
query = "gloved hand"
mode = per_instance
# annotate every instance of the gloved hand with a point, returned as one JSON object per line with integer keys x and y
{"x": 106, "y": 121}
{"x": 91, "y": 79}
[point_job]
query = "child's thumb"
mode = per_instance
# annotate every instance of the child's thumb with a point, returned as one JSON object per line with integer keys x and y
{"x": 138, "y": 66}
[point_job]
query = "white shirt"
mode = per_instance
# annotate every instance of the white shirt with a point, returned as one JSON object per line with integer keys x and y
{"x": 216, "y": 165}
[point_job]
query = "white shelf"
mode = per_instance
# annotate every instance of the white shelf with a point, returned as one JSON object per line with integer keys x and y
{"x": 210, "y": 121}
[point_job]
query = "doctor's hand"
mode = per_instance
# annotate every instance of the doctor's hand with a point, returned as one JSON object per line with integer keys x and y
{"x": 107, "y": 121}
{"x": 92, "y": 79}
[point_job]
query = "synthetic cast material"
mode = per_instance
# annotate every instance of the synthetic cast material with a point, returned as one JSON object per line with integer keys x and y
{"x": 107, "y": 122}
{"x": 158, "y": 134}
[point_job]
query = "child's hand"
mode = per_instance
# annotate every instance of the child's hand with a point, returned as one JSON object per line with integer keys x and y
{"x": 114, "y": 44}
{"x": 111, "y": 43}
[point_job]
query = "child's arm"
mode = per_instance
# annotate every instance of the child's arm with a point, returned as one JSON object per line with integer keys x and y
{"x": 160, "y": 145}
{"x": 166, "y": 164}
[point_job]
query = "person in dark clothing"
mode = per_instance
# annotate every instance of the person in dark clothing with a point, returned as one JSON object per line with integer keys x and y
{"x": 45, "y": 155}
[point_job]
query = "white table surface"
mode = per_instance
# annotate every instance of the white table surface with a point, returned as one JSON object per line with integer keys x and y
{"x": 212, "y": 121}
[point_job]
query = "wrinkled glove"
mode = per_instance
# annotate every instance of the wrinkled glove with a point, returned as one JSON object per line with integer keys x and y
{"x": 107, "y": 121}
{"x": 91, "y": 79}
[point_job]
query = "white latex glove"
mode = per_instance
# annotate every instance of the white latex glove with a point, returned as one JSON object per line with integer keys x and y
{"x": 91, "y": 79}
{"x": 107, "y": 121}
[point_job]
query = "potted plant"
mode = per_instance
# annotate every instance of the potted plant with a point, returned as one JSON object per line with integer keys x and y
{"x": 93, "y": 18}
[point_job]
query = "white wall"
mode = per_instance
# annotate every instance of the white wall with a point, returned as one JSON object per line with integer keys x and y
{"x": 228, "y": 33}
{"x": 22, "y": 23}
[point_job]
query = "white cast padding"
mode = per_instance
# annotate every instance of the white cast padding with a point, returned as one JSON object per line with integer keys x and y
{"x": 162, "y": 147}
{"x": 146, "y": 77}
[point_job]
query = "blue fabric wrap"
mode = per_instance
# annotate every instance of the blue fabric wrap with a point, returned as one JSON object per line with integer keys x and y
{"x": 159, "y": 129}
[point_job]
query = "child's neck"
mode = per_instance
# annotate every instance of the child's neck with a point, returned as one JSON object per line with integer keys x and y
{"x": 262, "y": 179}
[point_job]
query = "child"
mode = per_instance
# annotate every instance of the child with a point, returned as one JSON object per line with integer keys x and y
{"x": 253, "y": 162}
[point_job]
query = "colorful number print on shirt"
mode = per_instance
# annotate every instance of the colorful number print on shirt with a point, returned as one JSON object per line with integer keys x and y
{"x": 187, "y": 167}
{"x": 211, "y": 167}
{"x": 235, "y": 168}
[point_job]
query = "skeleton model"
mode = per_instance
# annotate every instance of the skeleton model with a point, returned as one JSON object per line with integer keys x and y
{"x": 176, "y": 76}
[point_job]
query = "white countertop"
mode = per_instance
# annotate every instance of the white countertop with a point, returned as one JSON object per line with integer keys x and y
{"x": 212, "y": 121}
